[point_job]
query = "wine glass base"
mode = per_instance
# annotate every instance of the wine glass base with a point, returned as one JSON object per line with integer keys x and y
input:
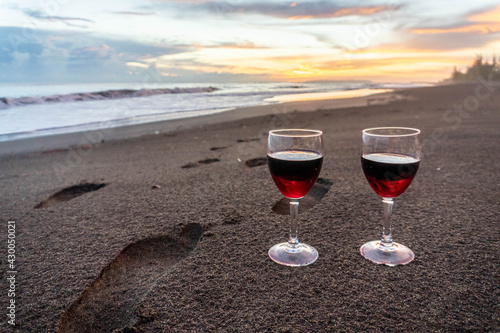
{"x": 301, "y": 255}
{"x": 397, "y": 254}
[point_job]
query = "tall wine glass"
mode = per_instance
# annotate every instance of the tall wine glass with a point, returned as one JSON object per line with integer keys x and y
{"x": 390, "y": 160}
{"x": 294, "y": 157}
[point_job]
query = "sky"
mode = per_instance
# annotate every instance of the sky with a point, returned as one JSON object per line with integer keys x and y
{"x": 64, "y": 41}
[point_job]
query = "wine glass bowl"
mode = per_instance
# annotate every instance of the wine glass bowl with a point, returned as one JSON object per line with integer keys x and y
{"x": 295, "y": 157}
{"x": 390, "y": 160}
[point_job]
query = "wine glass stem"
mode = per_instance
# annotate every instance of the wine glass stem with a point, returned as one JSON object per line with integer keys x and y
{"x": 293, "y": 241}
{"x": 386, "y": 240}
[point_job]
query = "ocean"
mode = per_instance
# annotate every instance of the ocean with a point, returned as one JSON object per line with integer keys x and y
{"x": 32, "y": 110}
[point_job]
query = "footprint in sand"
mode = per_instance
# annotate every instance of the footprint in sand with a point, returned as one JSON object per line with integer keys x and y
{"x": 209, "y": 161}
{"x": 110, "y": 303}
{"x": 247, "y": 140}
{"x": 311, "y": 199}
{"x": 69, "y": 193}
{"x": 217, "y": 148}
{"x": 202, "y": 162}
{"x": 256, "y": 162}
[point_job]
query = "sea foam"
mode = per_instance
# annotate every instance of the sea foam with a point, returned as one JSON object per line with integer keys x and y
{"x": 6, "y": 102}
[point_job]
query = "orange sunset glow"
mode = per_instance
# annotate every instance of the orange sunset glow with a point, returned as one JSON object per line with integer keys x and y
{"x": 258, "y": 41}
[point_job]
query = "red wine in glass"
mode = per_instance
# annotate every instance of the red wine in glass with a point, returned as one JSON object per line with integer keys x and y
{"x": 390, "y": 160}
{"x": 295, "y": 157}
{"x": 389, "y": 174}
{"x": 295, "y": 171}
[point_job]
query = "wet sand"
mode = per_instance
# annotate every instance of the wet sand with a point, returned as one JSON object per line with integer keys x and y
{"x": 170, "y": 232}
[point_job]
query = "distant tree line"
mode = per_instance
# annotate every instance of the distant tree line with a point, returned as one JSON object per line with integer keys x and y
{"x": 479, "y": 68}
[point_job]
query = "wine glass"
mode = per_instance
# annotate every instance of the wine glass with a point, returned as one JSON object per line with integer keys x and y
{"x": 390, "y": 160}
{"x": 294, "y": 157}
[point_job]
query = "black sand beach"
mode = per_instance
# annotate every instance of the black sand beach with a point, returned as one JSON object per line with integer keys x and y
{"x": 170, "y": 232}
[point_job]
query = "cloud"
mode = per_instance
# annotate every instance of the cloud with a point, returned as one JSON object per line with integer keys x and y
{"x": 190, "y": 63}
{"x": 317, "y": 10}
{"x": 332, "y": 12}
{"x": 134, "y": 13}
{"x": 237, "y": 45}
{"x": 471, "y": 30}
{"x": 48, "y": 56}
{"x": 174, "y": 74}
{"x": 81, "y": 56}
{"x": 373, "y": 63}
{"x": 69, "y": 21}
{"x": 93, "y": 53}
{"x": 284, "y": 10}
{"x": 19, "y": 59}
{"x": 483, "y": 22}
{"x": 450, "y": 41}
{"x": 189, "y": 1}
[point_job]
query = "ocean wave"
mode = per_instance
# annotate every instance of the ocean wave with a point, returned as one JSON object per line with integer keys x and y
{"x": 6, "y": 102}
{"x": 292, "y": 87}
{"x": 107, "y": 124}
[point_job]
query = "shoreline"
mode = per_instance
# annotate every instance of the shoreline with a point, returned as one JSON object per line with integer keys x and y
{"x": 94, "y": 137}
